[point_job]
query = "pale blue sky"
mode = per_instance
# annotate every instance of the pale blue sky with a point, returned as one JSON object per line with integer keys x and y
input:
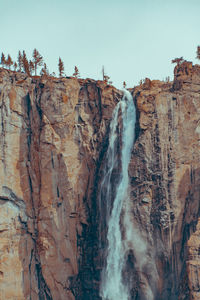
{"x": 133, "y": 39}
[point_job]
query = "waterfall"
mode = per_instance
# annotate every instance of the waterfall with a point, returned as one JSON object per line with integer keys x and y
{"x": 112, "y": 285}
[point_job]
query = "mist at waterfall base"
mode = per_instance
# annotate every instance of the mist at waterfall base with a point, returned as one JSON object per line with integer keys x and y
{"x": 113, "y": 285}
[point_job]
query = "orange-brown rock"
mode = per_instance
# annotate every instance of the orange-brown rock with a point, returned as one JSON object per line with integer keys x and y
{"x": 51, "y": 136}
{"x": 165, "y": 180}
{"x": 54, "y": 136}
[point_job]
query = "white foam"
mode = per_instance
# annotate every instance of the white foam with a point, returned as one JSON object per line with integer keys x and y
{"x": 112, "y": 285}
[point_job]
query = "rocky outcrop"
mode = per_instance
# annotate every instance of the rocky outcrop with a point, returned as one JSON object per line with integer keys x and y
{"x": 54, "y": 136}
{"x": 165, "y": 183}
{"x": 52, "y": 131}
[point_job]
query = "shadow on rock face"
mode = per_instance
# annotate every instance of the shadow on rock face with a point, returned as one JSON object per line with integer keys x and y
{"x": 172, "y": 268}
{"x": 47, "y": 248}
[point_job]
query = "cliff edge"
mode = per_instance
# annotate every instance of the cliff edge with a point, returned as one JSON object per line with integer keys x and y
{"x": 54, "y": 135}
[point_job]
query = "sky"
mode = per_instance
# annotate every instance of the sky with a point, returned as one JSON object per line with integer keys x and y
{"x": 132, "y": 39}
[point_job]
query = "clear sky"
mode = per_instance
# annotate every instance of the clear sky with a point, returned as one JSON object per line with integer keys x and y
{"x": 133, "y": 39}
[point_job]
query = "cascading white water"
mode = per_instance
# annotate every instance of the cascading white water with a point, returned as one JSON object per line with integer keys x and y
{"x": 112, "y": 286}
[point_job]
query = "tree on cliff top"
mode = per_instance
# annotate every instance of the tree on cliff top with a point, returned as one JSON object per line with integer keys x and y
{"x": 177, "y": 60}
{"x": 15, "y": 66}
{"x": 19, "y": 59}
{"x": 44, "y": 71}
{"x": 25, "y": 64}
{"x": 31, "y": 67}
{"x": 61, "y": 67}
{"x": 9, "y": 61}
{"x": 37, "y": 60}
{"x": 76, "y": 72}
{"x": 103, "y": 72}
{"x": 106, "y": 78}
{"x": 198, "y": 52}
{"x": 3, "y": 60}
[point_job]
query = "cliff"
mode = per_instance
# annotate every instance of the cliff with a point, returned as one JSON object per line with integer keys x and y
{"x": 54, "y": 136}
{"x": 52, "y": 131}
{"x": 165, "y": 180}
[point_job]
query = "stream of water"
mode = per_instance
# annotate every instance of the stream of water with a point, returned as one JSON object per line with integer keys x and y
{"x": 112, "y": 284}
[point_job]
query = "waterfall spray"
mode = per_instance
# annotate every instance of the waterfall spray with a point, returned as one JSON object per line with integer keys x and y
{"x": 112, "y": 285}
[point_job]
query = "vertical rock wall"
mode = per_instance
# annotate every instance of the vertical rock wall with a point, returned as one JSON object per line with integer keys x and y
{"x": 54, "y": 135}
{"x": 51, "y": 135}
{"x": 165, "y": 184}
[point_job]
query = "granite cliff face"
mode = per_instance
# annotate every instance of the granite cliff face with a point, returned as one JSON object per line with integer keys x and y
{"x": 52, "y": 132}
{"x": 54, "y": 136}
{"x": 165, "y": 182}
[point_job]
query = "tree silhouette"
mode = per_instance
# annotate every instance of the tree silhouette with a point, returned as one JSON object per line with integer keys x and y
{"x": 178, "y": 60}
{"x": 3, "y": 60}
{"x": 19, "y": 60}
{"x": 124, "y": 84}
{"x": 44, "y": 71}
{"x": 15, "y": 66}
{"x": 198, "y": 52}
{"x": 31, "y": 67}
{"x": 9, "y": 61}
{"x": 106, "y": 78}
{"x": 37, "y": 60}
{"x": 76, "y": 72}
{"x": 167, "y": 79}
{"x": 61, "y": 67}
{"x": 25, "y": 64}
{"x": 103, "y": 72}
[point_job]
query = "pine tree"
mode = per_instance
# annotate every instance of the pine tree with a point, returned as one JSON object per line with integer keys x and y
{"x": 25, "y": 64}
{"x": 3, "y": 60}
{"x": 31, "y": 67}
{"x": 106, "y": 78}
{"x": 37, "y": 60}
{"x": 198, "y": 52}
{"x": 76, "y": 72}
{"x": 19, "y": 59}
{"x": 61, "y": 67}
{"x": 103, "y": 72}
{"x": 9, "y": 61}
{"x": 178, "y": 60}
{"x": 44, "y": 71}
{"x": 15, "y": 66}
